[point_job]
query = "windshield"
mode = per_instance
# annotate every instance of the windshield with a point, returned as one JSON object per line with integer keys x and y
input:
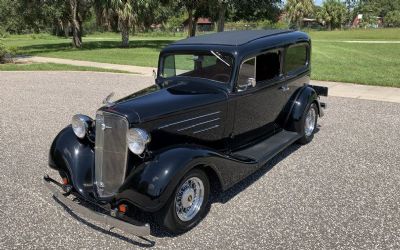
{"x": 210, "y": 65}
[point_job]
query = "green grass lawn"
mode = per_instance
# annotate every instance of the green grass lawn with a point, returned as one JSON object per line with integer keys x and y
{"x": 333, "y": 57}
{"x": 51, "y": 67}
{"x": 102, "y": 47}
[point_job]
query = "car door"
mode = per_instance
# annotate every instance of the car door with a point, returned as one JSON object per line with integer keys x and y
{"x": 259, "y": 97}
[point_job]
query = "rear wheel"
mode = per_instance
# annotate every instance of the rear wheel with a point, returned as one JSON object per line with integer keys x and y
{"x": 188, "y": 205}
{"x": 309, "y": 123}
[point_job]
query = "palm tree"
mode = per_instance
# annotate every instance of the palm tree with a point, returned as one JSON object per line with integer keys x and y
{"x": 124, "y": 10}
{"x": 333, "y": 13}
{"x": 103, "y": 12}
{"x": 298, "y": 9}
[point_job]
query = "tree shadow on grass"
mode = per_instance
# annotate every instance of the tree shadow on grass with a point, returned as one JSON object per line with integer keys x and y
{"x": 93, "y": 45}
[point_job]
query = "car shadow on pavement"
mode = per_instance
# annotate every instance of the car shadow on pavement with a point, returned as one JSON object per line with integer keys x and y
{"x": 217, "y": 196}
{"x": 223, "y": 197}
{"x": 146, "y": 242}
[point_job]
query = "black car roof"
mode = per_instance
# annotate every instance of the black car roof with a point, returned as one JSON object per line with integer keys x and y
{"x": 230, "y": 38}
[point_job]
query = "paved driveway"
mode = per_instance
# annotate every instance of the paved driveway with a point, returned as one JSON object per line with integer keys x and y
{"x": 341, "y": 190}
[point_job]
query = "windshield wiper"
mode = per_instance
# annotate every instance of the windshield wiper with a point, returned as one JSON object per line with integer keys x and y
{"x": 220, "y": 58}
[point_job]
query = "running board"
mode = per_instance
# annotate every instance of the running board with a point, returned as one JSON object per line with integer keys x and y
{"x": 265, "y": 150}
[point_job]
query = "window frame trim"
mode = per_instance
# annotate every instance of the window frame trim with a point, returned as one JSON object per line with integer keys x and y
{"x": 278, "y": 78}
{"x": 160, "y": 70}
{"x": 303, "y": 68}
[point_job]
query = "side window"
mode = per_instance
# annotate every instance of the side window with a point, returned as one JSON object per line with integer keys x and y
{"x": 185, "y": 63}
{"x": 209, "y": 61}
{"x": 296, "y": 57}
{"x": 169, "y": 66}
{"x": 268, "y": 66}
{"x": 247, "y": 70}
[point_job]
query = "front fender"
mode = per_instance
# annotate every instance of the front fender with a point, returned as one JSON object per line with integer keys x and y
{"x": 75, "y": 158}
{"x": 305, "y": 96}
{"x": 151, "y": 184}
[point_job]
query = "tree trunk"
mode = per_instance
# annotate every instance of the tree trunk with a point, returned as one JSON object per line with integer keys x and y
{"x": 194, "y": 27}
{"x": 190, "y": 22}
{"x": 221, "y": 17}
{"x": 76, "y": 36}
{"x": 125, "y": 33}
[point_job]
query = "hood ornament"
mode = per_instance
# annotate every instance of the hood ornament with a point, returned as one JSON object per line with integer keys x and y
{"x": 107, "y": 101}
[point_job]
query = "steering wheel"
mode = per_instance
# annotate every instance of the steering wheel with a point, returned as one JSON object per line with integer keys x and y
{"x": 222, "y": 77}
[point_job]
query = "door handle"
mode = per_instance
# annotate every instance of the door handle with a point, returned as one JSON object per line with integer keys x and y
{"x": 284, "y": 88}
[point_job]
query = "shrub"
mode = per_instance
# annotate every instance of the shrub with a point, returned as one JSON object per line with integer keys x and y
{"x": 3, "y": 52}
{"x": 392, "y": 18}
{"x": 7, "y": 54}
{"x": 4, "y": 33}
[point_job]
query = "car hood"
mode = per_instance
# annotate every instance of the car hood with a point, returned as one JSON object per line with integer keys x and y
{"x": 154, "y": 102}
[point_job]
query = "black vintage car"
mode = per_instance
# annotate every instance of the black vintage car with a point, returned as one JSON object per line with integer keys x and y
{"x": 222, "y": 106}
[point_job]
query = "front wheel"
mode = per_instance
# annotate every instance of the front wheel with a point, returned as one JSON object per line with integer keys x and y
{"x": 309, "y": 123}
{"x": 188, "y": 205}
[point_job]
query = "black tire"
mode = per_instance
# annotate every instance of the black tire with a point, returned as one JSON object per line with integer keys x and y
{"x": 168, "y": 217}
{"x": 307, "y": 138}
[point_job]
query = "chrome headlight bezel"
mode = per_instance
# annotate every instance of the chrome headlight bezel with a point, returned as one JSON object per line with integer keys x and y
{"x": 137, "y": 140}
{"x": 80, "y": 125}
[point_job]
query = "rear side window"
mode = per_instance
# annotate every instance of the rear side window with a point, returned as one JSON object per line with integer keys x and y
{"x": 268, "y": 66}
{"x": 296, "y": 57}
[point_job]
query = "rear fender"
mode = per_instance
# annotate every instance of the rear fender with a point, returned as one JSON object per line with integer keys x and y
{"x": 305, "y": 97}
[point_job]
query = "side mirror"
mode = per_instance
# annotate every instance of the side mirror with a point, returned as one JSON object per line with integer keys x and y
{"x": 250, "y": 82}
{"x": 154, "y": 74}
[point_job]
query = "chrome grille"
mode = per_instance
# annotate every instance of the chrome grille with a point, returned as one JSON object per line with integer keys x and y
{"x": 110, "y": 153}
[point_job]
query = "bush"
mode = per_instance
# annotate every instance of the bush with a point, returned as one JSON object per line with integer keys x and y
{"x": 3, "y": 52}
{"x": 7, "y": 54}
{"x": 392, "y": 18}
{"x": 4, "y": 33}
{"x": 262, "y": 24}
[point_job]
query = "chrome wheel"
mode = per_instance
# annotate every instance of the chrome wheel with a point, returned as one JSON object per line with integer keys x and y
{"x": 310, "y": 121}
{"x": 189, "y": 198}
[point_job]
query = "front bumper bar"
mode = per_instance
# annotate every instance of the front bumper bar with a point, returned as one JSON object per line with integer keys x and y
{"x": 139, "y": 230}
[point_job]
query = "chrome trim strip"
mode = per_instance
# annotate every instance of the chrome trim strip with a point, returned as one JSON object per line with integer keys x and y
{"x": 201, "y": 123}
{"x": 199, "y": 131}
{"x": 190, "y": 119}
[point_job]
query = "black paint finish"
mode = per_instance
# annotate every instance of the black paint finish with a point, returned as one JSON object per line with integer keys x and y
{"x": 198, "y": 123}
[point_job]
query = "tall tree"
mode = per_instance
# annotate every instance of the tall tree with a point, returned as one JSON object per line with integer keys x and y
{"x": 190, "y": 6}
{"x": 222, "y": 6}
{"x": 124, "y": 10}
{"x": 297, "y": 10}
{"x": 333, "y": 13}
{"x": 76, "y": 25}
{"x": 254, "y": 10}
{"x": 248, "y": 10}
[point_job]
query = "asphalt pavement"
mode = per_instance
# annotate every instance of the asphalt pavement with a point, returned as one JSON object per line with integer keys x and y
{"x": 340, "y": 191}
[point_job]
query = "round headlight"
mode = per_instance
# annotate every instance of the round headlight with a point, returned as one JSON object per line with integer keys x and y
{"x": 137, "y": 140}
{"x": 80, "y": 125}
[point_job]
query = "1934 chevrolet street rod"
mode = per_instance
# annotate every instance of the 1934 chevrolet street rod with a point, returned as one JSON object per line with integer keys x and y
{"x": 222, "y": 105}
